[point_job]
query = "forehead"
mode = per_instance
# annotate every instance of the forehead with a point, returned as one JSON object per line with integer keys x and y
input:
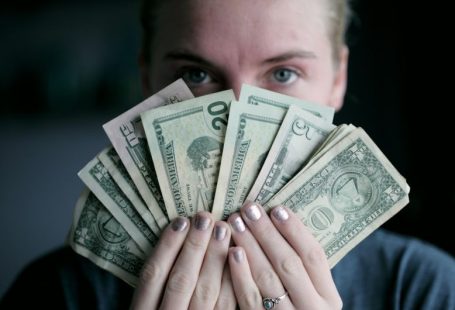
{"x": 261, "y": 26}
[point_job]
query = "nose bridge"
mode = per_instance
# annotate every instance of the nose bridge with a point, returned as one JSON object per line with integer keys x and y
{"x": 236, "y": 87}
{"x": 236, "y": 80}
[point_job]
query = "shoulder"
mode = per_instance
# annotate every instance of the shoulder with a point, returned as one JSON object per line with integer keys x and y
{"x": 400, "y": 272}
{"x": 391, "y": 247}
{"x": 391, "y": 250}
{"x": 65, "y": 279}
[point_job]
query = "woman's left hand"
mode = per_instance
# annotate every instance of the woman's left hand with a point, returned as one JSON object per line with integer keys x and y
{"x": 277, "y": 257}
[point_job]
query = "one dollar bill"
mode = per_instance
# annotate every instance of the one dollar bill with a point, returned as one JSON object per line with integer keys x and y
{"x": 111, "y": 161}
{"x": 348, "y": 193}
{"x": 99, "y": 181}
{"x": 98, "y": 236}
{"x": 127, "y": 136}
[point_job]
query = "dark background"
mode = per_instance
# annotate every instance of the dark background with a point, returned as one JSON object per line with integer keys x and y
{"x": 67, "y": 67}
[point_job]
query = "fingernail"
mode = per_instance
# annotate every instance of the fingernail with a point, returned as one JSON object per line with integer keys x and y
{"x": 202, "y": 222}
{"x": 238, "y": 255}
{"x": 238, "y": 224}
{"x": 220, "y": 232}
{"x": 252, "y": 212}
{"x": 280, "y": 214}
{"x": 179, "y": 224}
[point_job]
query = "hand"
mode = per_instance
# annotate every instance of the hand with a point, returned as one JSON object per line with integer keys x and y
{"x": 276, "y": 255}
{"x": 186, "y": 268}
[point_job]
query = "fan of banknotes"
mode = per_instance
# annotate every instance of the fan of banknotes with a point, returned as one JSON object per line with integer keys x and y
{"x": 174, "y": 155}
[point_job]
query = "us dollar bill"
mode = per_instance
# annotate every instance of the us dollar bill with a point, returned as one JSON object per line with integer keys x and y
{"x": 111, "y": 161}
{"x": 344, "y": 196}
{"x": 335, "y": 136}
{"x": 261, "y": 97}
{"x": 299, "y": 135}
{"x": 186, "y": 142}
{"x": 250, "y": 133}
{"x": 98, "y": 236}
{"x": 126, "y": 134}
{"x": 98, "y": 180}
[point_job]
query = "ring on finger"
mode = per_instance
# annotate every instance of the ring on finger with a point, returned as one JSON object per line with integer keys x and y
{"x": 270, "y": 303}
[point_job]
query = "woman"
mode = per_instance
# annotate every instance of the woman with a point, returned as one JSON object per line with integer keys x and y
{"x": 294, "y": 47}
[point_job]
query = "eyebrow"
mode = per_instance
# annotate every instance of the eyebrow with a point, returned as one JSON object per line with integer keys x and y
{"x": 186, "y": 55}
{"x": 290, "y": 55}
{"x": 189, "y": 56}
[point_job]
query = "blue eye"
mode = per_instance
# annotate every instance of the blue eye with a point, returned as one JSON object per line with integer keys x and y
{"x": 194, "y": 76}
{"x": 285, "y": 76}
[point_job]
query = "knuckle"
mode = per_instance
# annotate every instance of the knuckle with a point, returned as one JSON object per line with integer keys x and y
{"x": 195, "y": 244}
{"x": 265, "y": 231}
{"x": 166, "y": 241}
{"x": 225, "y": 302}
{"x": 205, "y": 292}
{"x": 250, "y": 299}
{"x": 150, "y": 273}
{"x": 315, "y": 256}
{"x": 179, "y": 283}
{"x": 266, "y": 277}
{"x": 291, "y": 265}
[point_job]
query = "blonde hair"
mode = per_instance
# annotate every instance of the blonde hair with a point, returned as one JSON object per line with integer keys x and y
{"x": 339, "y": 18}
{"x": 339, "y": 14}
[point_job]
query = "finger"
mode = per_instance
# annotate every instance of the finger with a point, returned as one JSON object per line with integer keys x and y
{"x": 208, "y": 285}
{"x": 226, "y": 298}
{"x": 156, "y": 269}
{"x": 264, "y": 275}
{"x": 185, "y": 273}
{"x": 246, "y": 291}
{"x": 285, "y": 261}
{"x": 309, "y": 250}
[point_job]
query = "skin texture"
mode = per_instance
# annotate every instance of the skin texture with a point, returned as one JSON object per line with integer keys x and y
{"x": 260, "y": 43}
{"x": 215, "y": 45}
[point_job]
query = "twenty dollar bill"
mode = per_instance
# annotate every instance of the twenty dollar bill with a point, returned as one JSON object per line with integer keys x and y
{"x": 186, "y": 141}
{"x": 250, "y": 134}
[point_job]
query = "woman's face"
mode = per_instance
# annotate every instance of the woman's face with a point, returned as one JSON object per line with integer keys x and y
{"x": 214, "y": 45}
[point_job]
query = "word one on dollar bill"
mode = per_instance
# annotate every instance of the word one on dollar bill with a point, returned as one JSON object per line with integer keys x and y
{"x": 174, "y": 155}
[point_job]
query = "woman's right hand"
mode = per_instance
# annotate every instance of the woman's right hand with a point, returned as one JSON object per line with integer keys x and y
{"x": 278, "y": 260}
{"x": 187, "y": 268}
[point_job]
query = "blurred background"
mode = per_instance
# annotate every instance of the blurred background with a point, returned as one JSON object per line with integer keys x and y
{"x": 67, "y": 67}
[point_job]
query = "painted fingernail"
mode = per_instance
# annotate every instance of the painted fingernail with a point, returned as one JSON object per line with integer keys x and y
{"x": 202, "y": 222}
{"x": 238, "y": 224}
{"x": 252, "y": 212}
{"x": 238, "y": 255}
{"x": 280, "y": 214}
{"x": 220, "y": 232}
{"x": 179, "y": 224}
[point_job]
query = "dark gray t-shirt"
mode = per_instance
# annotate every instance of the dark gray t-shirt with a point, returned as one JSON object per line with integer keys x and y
{"x": 385, "y": 271}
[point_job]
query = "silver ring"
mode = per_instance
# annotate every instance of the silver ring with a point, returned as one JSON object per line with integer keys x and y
{"x": 270, "y": 303}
